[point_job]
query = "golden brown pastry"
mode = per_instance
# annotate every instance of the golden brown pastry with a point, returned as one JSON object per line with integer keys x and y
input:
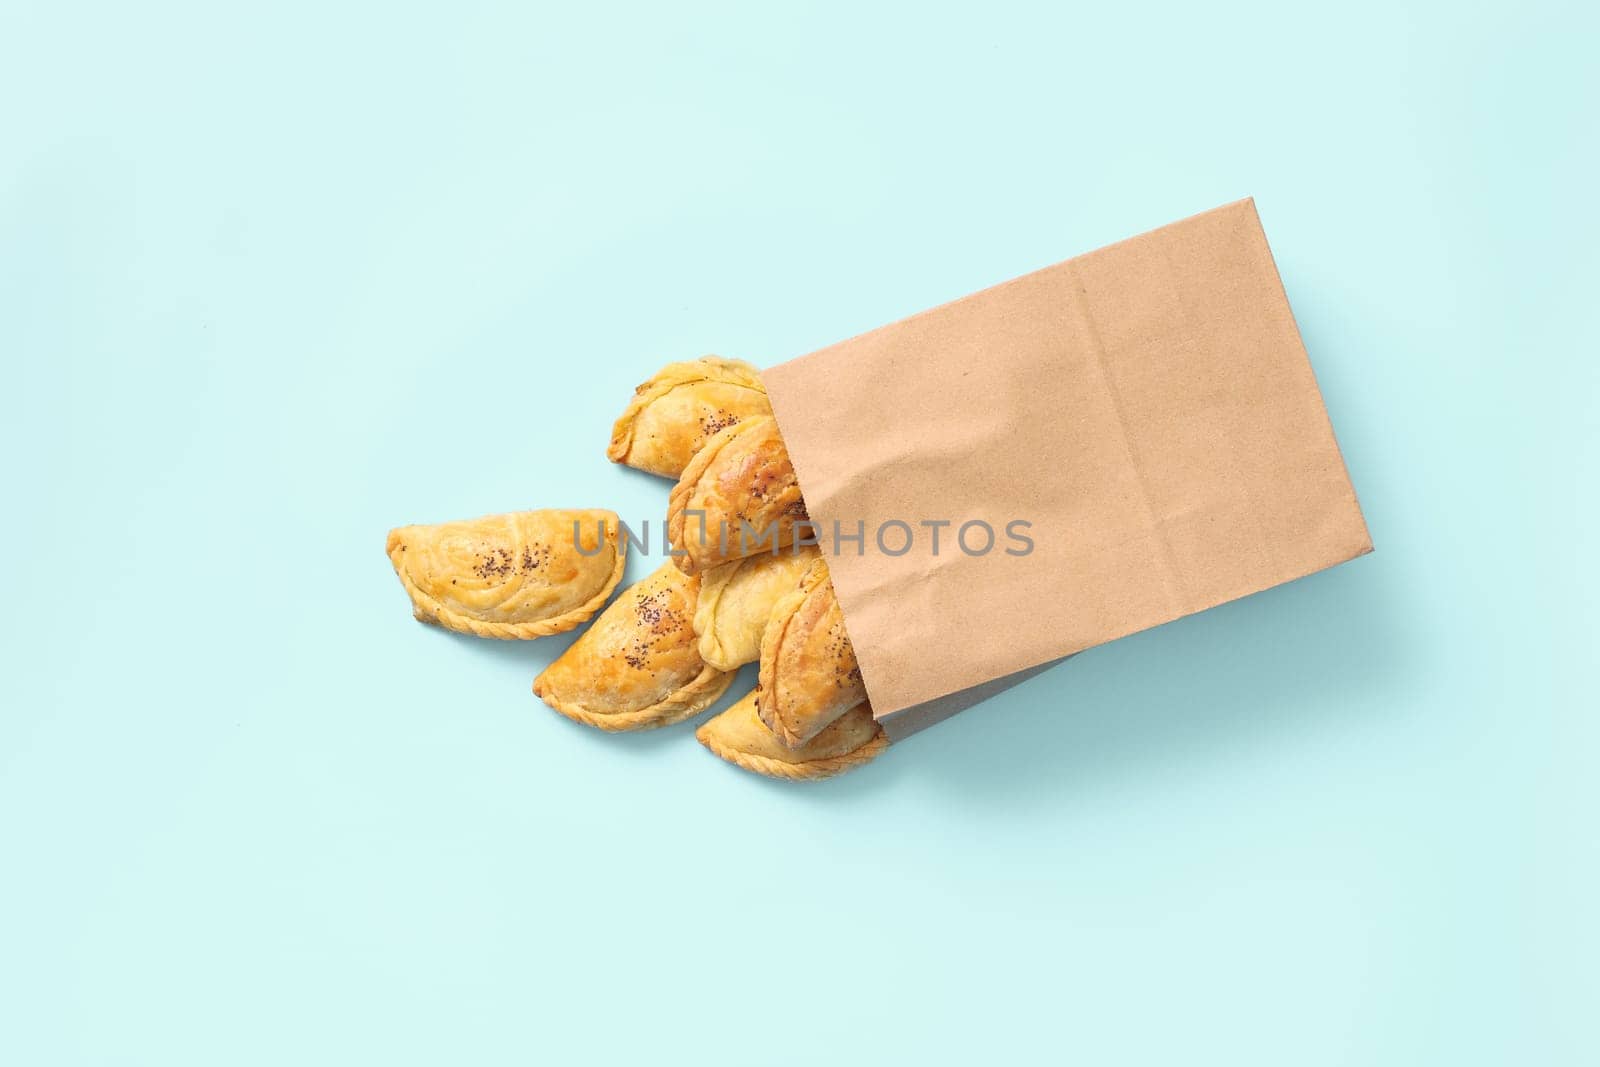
{"x": 739, "y": 736}
{"x": 674, "y": 413}
{"x": 742, "y": 475}
{"x": 510, "y": 576}
{"x": 639, "y": 665}
{"x": 809, "y": 676}
{"x": 736, "y": 601}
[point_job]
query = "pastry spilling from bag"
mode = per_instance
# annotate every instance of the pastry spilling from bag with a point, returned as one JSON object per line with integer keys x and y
{"x": 738, "y": 497}
{"x": 736, "y": 601}
{"x": 739, "y": 736}
{"x": 674, "y": 413}
{"x": 516, "y": 576}
{"x": 639, "y": 665}
{"x": 809, "y": 676}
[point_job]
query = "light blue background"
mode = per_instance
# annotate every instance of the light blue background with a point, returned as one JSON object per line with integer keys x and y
{"x": 274, "y": 280}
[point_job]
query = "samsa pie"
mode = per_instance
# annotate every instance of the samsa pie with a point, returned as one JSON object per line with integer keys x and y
{"x": 739, "y": 736}
{"x": 737, "y": 497}
{"x": 736, "y": 601}
{"x": 809, "y": 676}
{"x": 639, "y": 665}
{"x": 673, "y": 414}
{"x": 516, "y": 576}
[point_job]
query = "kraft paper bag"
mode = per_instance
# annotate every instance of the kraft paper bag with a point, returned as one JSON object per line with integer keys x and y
{"x": 1145, "y": 416}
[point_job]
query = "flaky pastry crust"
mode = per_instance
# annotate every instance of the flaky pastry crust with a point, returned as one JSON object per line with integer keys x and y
{"x": 639, "y": 665}
{"x": 674, "y": 413}
{"x": 809, "y": 675}
{"x": 512, "y": 577}
{"x": 740, "y": 481}
{"x": 736, "y": 601}
{"x": 739, "y": 736}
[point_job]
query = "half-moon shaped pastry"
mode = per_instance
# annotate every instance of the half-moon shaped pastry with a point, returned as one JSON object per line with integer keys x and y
{"x": 736, "y": 601}
{"x": 741, "y": 476}
{"x": 809, "y": 676}
{"x": 639, "y": 665}
{"x": 739, "y": 736}
{"x": 674, "y": 413}
{"x": 511, "y": 576}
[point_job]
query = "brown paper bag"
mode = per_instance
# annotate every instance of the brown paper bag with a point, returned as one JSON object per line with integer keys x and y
{"x": 1146, "y": 410}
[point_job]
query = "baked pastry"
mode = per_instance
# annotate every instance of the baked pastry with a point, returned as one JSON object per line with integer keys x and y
{"x": 511, "y": 576}
{"x": 739, "y": 736}
{"x": 809, "y": 676}
{"x": 639, "y": 665}
{"x": 741, "y": 476}
{"x": 736, "y": 601}
{"x": 674, "y": 413}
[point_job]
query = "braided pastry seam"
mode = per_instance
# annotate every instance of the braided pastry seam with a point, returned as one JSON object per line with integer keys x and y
{"x": 783, "y": 613}
{"x": 809, "y": 770}
{"x": 678, "y": 499}
{"x": 686, "y": 702}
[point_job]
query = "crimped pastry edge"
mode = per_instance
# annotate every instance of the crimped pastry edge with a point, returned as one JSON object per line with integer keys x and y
{"x": 685, "y": 702}
{"x": 809, "y": 770}
{"x": 678, "y": 499}
{"x": 784, "y": 610}
{"x": 675, "y": 376}
{"x": 450, "y": 619}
